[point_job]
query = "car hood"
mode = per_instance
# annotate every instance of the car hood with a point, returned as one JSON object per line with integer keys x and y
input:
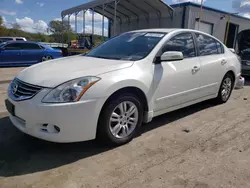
{"x": 55, "y": 72}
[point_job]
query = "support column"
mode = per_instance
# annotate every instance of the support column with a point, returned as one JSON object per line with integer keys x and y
{"x": 68, "y": 28}
{"x": 62, "y": 30}
{"x": 103, "y": 21}
{"x": 114, "y": 25}
{"x": 83, "y": 21}
{"x": 93, "y": 19}
{"x": 76, "y": 22}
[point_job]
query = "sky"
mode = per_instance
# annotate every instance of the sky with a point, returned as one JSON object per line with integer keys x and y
{"x": 34, "y": 15}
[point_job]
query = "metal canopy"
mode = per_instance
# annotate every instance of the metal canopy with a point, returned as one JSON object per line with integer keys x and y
{"x": 124, "y": 9}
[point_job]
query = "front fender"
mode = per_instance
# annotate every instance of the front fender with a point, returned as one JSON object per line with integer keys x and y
{"x": 116, "y": 80}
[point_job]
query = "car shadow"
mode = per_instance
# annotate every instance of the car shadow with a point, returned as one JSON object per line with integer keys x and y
{"x": 21, "y": 154}
{"x": 247, "y": 80}
{"x": 175, "y": 115}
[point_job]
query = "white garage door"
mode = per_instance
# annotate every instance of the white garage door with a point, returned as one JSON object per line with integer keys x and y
{"x": 204, "y": 27}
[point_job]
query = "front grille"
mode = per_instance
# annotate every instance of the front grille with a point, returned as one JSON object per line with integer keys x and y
{"x": 20, "y": 90}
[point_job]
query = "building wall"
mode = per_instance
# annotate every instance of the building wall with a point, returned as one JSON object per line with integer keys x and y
{"x": 219, "y": 26}
{"x": 154, "y": 22}
{"x": 189, "y": 14}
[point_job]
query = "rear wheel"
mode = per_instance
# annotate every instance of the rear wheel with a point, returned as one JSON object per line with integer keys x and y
{"x": 46, "y": 58}
{"x": 225, "y": 89}
{"x": 120, "y": 120}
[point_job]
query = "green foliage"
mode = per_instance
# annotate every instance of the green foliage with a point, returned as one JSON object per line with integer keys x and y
{"x": 16, "y": 26}
{"x": 1, "y": 21}
{"x": 57, "y": 32}
{"x": 56, "y": 27}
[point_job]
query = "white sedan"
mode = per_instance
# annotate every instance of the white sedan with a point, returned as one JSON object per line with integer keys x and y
{"x": 130, "y": 79}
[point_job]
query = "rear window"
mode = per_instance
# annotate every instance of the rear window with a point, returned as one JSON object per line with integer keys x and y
{"x": 208, "y": 45}
{"x": 19, "y": 39}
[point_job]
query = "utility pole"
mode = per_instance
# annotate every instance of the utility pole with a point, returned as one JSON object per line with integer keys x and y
{"x": 227, "y": 31}
{"x": 228, "y": 25}
{"x": 200, "y": 14}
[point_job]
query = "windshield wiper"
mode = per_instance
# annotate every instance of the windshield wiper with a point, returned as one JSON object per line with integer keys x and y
{"x": 102, "y": 57}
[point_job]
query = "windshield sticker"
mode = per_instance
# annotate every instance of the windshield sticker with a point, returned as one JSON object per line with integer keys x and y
{"x": 134, "y": 36}
{"x": 158, "y": 35}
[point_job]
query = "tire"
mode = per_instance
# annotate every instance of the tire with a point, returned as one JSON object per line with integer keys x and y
{"x": 226, "y": 89}
{"x": 46, "y": 58}
{"x": 107, "y": 127}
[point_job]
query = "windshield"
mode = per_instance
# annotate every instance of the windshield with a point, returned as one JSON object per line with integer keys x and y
{"x": 129, "y": 46}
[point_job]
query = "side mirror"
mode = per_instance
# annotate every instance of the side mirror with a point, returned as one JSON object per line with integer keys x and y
{"x": 172, "y": 56}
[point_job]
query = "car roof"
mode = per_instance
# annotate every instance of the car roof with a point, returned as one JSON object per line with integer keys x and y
{"x": 13, "y": 37}
{"x": 168, "y": 30}
{"x": 173, "y": 30}
{"x": 12, "y": 41}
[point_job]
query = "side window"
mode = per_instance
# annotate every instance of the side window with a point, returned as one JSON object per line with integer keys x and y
{"x": 30, "y": 46}
{"x": 183, "y": 43}
{"x": 206, "y": 45}
{"x": 41, "y": 47}
{"x": 19, "y": 39}
{"x": 13, "y": 46}
{"x": 220, "y": 48}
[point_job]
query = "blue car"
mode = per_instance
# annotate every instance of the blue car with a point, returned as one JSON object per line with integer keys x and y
{"x": 23, "y": 53}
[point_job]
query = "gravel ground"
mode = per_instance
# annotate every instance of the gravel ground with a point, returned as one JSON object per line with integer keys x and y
{"x": 201, "y": 146}
{"x": 7, "y": 74}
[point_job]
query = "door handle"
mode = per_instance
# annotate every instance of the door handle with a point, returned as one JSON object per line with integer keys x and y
{"x": 195, "y": 69}
{"x": 223, "y": 62}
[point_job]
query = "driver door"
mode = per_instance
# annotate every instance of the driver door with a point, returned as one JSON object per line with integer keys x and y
{"x": 10, "y": 54}
{"x": 178, "y": 82}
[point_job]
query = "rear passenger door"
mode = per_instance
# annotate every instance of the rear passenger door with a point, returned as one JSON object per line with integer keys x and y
{"x": 31, "y": 53}
{"x": 212, "y": 59}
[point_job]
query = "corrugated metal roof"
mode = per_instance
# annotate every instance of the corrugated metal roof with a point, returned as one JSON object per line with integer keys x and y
{"x": 208, "y": 8}
{"x": 125, "y": 9}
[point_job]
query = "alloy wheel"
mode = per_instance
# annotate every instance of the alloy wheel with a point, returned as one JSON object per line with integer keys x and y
{"x": 46, "y": 58}
{"x": 226, "y": 88}
{"x": 124, "y": 119}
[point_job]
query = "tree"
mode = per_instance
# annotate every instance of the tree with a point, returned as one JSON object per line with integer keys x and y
{"x": 1, "y": 20}
{"x": 56, "y": 26}
{"x": 60, "y": 31}
{"x": 16, "y": 26}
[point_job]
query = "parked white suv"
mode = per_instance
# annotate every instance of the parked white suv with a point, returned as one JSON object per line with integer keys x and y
{"x": 125, "y": 81}
{"x": 5, "y": 39}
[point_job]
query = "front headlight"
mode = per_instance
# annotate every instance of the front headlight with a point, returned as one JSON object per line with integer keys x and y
{"x": 70, "y": 91}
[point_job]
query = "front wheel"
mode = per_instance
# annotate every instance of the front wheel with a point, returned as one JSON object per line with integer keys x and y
{"x": 46, "y": 58}
{"x": 225, "y": 89}
{"x": 120, "y": 120}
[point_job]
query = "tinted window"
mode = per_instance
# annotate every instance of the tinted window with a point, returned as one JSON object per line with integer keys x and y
{"x": 220, "y": 48}
{"x": 30, "y": 46}
{"x": 19, "y": 39}
{"x": 128, "y": 46}
{"x": 183, "y": 43}
{"x": 13, "y": 46}
{"x": 5, "y": 39}
{"x": 206, "y": 45}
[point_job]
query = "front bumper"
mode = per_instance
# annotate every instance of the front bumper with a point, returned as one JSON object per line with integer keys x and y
{"x": 76, "y": 121}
